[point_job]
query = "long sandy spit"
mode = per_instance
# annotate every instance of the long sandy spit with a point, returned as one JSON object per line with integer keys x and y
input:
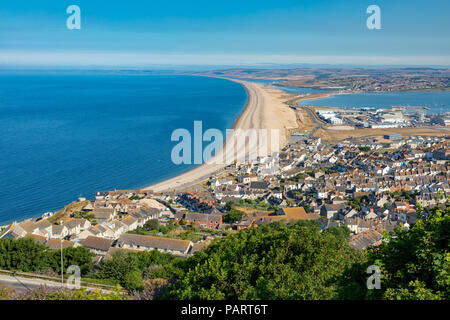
{"x": 265, "y": 109}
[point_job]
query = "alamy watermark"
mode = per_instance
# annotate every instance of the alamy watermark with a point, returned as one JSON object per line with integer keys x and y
{"x": 74, "y": 20}
{"x": 374, "y": 280}
{"x": 73, "y": 282}
{"x": 239, "y": 145}
{"x": 374, "y": 20}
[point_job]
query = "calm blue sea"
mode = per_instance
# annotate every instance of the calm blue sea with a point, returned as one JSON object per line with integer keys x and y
{"x": 65, "y": 135}
{"x": 438, "y": 102}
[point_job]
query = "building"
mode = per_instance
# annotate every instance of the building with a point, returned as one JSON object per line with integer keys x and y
{"x": 332, "y": 211}
{"x": 295, "y": 214}
{"x": 97, "y": 245}
{"x": 259, "y": 186}
{"x": 104, "y": 214}
{"x": 200, "y": 219}
{"x": 393, "y": 136}
{"x": 140, "y": 242}
{"x": 392, "y": 117}
{"x": 56, "y": 244}
{"x": 440, "y": 121}
{"x": 365, "y": 239}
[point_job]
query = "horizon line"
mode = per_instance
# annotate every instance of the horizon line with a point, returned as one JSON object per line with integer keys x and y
{"x": 139, "y": 60}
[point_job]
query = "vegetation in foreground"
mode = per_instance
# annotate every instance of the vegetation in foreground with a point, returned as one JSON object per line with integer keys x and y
{"x": 269, "y": 262}
{"x": 47, "y": 293}
{"x": 414, "y": 264}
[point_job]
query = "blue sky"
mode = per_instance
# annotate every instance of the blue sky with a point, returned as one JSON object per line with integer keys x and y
{"x": 245, "y": 32}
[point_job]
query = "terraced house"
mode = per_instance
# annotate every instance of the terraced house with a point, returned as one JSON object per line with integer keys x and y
{"x": 140, "y": 242}
{"x": 200, "y": 219}
{"x": 202, "y": 203}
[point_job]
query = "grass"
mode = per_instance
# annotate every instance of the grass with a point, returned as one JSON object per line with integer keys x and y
{"x": 249, "y": 210}
{"x": 334, "y": 136}
{"x": 107, "y": 282}
{"x": 67, "y": 210}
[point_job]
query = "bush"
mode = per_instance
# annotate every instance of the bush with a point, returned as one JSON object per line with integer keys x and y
{"x": 27, "y": 255}
{"x": 269, "y": 262}
{"x": 233, "y": 216}
{"x": 53, "y": 293}
{"x": 414, "y": 264}
{"x": 116, "y": 267}
{"x": 127, "y": 268}
{"x": 152, "y": 224}
{"x": 133, "y": 280}
{"x": 151, "y": 288}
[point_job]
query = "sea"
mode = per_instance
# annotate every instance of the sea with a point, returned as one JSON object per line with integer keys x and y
{"x": 435, "y": 102}
{"x": 65, "y": 135}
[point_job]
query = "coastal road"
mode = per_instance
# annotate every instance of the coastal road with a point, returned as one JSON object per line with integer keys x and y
{"x": 315, "y": 119}
{"x": 24, "y": 284}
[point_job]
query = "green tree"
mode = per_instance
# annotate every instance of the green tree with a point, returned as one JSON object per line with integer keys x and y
{"x": 341, "y": 232}
{"x": 116, "y": 267}
{"x": 133, "y": 280}
{"x": 233, "y": 216}
{"x": 152, "y": 224}
{"x": 80, "y": 256}
{"x": 146, "y": 259}
{"x": 419, "y": 209}
{"x": 229, "y": 205}
{"x": 164, "y": 229}
{"x": 300, "y": 176}
{"x": 414, "y": 264}
{"x": 23, "y": 254}
{"x": 269, "y": 262}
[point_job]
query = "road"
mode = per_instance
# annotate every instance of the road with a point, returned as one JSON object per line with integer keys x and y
{"x": 315, "y": 119}
{"x": 24, "y": 284}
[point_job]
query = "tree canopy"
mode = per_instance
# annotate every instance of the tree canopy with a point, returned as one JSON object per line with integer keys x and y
{"x": 233, "y": 216}
{"x": 269, "y": 262}
{"x": 130, "y": 268}
{"x": 414, "y": 264}
{"x": 25, "y": 254}
{"x": 274, "y": 261}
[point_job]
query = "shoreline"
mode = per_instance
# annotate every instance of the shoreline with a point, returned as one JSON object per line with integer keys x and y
{"x": 203, "y": 171}
{"x": 265, "y": 109}
{"x": 252, "y": 116}
{"x": 407, "y": 108}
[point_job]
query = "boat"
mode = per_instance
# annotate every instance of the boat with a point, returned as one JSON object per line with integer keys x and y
{"x": 47, "y": 215}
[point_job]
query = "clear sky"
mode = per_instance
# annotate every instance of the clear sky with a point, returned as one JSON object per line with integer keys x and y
{"x": 245, "y": 32}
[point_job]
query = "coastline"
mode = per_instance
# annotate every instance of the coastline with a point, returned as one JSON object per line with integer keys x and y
{"x": 256, "y": 114}
{"x": 252, "y": 116}
{"x": 424, "y": 106}
{"x": 265, "y": 109}
{"x": 315, "y": 96}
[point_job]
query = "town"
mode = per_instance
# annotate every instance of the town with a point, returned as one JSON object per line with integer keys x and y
{"x": 367, "y": 184}
{"x": 396, "y": 117}
{"x": 354, "y": 80}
